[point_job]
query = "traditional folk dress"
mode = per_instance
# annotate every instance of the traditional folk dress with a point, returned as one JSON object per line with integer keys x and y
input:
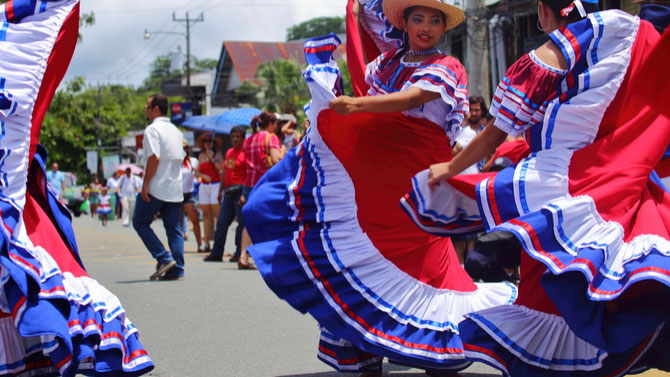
{"x": 329, "y": 235}
{"x": 105, "y": 207}
{"x": 54, "y": 318}
{"x": 585, "y": 204}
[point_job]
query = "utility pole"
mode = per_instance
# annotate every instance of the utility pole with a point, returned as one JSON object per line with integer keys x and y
{"x": 99, "y": 129}
{"x": 477, "y": 64}
{"x": 188, "y": 22}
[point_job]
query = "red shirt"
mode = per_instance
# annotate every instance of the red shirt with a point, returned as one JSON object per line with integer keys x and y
{"x": 235, "y": 167}
{"x": 256, "y": 152}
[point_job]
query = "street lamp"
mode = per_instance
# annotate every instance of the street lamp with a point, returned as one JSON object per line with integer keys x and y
{"x": 147, "y": 36}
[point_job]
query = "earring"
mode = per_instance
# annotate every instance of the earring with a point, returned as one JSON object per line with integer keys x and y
{"x": 539, "y": 26}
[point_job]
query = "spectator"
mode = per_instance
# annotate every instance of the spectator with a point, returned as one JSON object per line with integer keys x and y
{"x": 113, "y": 187}
{"x": 262, "y": 150}
{"x": 473, "y": 124}
{"x": 162, "y": 190}
{"x": 230, "y": 192}
{"x": 129, "y": 187}
{"x": 56, "y": 179}
{"x": 189, "y": 168}
{"x": 94, "y": 189}
{"x": 210, "y": 165}
{"x": 287, "y": 132}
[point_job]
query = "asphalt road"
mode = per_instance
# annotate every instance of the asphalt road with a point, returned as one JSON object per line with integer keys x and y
{"x": 218, "y": 321}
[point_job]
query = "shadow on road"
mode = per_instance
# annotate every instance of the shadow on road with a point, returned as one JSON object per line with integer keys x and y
{"x": 390, "y": 370}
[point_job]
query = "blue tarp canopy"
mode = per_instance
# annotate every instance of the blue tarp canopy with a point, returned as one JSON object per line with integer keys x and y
{"x": 222, "y": 124}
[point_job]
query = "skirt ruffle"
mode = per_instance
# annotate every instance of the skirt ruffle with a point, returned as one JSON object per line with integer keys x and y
{"x": 62, "y": 321}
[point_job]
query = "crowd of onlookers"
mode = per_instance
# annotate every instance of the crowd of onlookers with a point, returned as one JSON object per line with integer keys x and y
{"x": 216, "y": 183}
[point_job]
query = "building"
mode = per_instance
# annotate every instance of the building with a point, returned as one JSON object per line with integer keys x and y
{"x": 239, "y": 61}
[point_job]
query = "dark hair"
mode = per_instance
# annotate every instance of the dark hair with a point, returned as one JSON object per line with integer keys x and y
{"x": 482, "y": 104}
{"x": 262, "y": 120}
{"x": 557, "y": 6}
{"x": 239, "y": 129}
{"x": 405, "y": 16}
{"x": 159, "y": 100}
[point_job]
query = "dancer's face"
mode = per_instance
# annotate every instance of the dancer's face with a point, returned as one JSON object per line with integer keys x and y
{"x": 424, "y": 28}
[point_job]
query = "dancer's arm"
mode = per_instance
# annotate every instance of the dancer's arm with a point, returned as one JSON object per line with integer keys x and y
{"x": 387, "y": 103}
{"x": 481, "y": 146}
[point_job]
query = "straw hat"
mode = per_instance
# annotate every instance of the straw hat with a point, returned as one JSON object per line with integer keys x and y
{"x": 393, "y": 10}
{"x": 200, "y": 140}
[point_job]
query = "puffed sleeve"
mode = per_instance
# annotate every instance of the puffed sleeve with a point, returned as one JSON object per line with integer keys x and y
{"x": 521, "y": 97}
{"x": 447, "y": 77}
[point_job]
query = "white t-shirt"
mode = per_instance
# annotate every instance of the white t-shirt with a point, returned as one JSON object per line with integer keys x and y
{"x": 129, "y": 186}
{"x": 188, "y": 175}
{"x": 464, "y": 138}
{"x": 112, "y": 183}
{"x": 163, "y": 139}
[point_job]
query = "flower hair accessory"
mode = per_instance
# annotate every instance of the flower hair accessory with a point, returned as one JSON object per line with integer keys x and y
{"x": 576, "y": 3}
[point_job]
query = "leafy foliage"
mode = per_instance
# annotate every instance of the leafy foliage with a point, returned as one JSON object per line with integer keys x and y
{"x": 316, "y": 27}
{"x": 160, "y": 71}
{"x": 71, "y": 125}
{"x": 284, "y": 89}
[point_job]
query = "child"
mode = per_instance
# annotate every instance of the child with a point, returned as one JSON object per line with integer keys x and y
{"x": 103, "y": 207}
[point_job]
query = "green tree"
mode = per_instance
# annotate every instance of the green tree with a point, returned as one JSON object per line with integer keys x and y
{"x": 284, "y": 89}
{"x": 202, "y": 65}
{"x": 315, "y": 27}
{"x": 79, "y": 114}
{"x": 160, "y": 71}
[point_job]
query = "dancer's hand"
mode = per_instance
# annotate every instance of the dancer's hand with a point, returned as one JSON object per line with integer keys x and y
{"x": 438, "y": 173}
{"x": 344, "y": 105}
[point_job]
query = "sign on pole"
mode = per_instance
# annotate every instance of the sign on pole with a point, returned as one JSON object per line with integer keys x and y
{"x": 92, "y": 161}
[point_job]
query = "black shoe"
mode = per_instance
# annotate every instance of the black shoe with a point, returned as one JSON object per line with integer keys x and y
{"x": 162, "y": 269}
{"x": 170, "y": 277}
{"x": 212, "y": 258}
{"x": 233, "y": 259}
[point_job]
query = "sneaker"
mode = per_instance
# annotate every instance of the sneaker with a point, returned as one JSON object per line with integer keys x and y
{"x": 170, "y": 277}
{"x": 212, "y": 258}
{"x": 204, "y": 248}
{"x": 162, "y": 269}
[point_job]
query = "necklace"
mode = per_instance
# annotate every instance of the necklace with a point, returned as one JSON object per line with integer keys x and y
{"x": 424, "y": 52}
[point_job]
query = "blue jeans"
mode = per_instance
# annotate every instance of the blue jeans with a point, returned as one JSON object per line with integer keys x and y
{"x": 230, "y": 208}
{"x": 142, "y": 219}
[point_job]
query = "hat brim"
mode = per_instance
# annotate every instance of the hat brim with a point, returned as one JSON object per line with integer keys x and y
{"x": 393, "y": 10}
{"x": 200, "y": 141}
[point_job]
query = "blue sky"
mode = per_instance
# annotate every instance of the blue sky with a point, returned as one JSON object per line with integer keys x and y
{"x": 114, "y": 50}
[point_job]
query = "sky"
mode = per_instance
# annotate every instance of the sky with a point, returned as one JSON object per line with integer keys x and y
{"x": 114, "y": 50}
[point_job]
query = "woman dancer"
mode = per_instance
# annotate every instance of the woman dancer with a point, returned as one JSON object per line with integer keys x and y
{"x": 593, "y": 222}
{"x": 329, "y": 236}
{"x": 54, "y": 318}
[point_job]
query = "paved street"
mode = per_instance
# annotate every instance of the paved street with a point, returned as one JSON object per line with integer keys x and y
{"x": 217, "y": 322}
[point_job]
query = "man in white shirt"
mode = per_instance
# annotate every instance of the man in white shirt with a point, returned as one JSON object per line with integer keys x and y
{"x": 129, "y": 186}
{"x": 162, "y": 190}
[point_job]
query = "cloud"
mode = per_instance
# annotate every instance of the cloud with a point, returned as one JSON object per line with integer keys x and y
{"x": 114, "y": 50}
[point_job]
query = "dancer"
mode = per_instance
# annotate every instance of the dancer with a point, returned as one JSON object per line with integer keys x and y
{"x": 592, "y": 220}
{"x": 54, "y": 318}
{"x": 329, "y": 236}
{"x": 105, "y": 208}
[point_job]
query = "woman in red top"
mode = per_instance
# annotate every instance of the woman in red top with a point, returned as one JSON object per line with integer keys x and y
{"x": 262, "y": 151}
{"x": 234, "y": 167}
{"x": 209, "y": 172}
